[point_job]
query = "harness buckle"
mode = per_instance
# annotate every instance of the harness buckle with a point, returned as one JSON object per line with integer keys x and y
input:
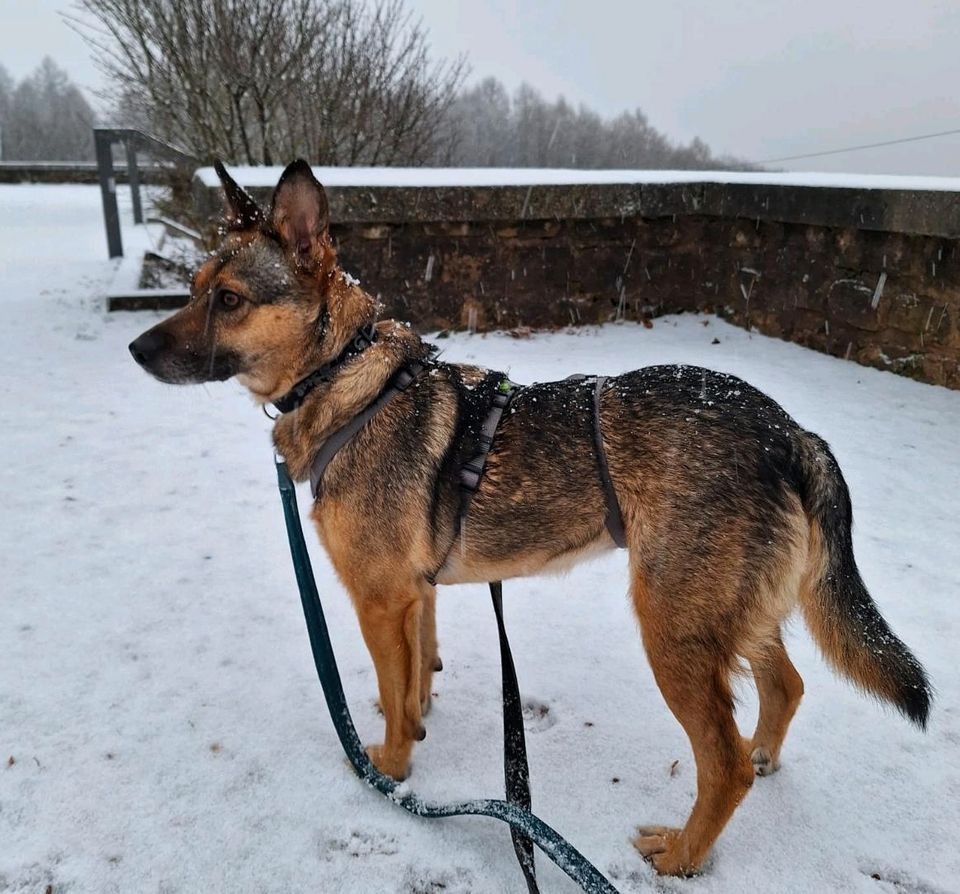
{"x": 471, "y": 471}
{"x": 404, "y": 379}
{"x": 365, "y": 336}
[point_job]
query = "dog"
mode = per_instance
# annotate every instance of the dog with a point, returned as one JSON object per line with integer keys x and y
{"x": 733, "y": 514}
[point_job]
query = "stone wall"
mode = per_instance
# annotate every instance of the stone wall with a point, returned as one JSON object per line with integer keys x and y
{"x": 870, "y": 275}
{"x": 888, "y": 300}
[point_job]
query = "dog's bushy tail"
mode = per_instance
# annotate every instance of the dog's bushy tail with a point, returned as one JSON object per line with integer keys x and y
{"x": 841, "y": 615}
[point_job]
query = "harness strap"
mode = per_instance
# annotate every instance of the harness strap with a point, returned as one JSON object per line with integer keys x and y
{"x": 614, "y": 520}
{"x": 472, "y": 470}
{"x": 516, "y": 771}
{"x": 398, "y": 383}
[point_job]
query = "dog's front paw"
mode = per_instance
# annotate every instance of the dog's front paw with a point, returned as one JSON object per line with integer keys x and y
{"x": 662, "y": 846}
{"x": 652, "y": 840}
{"x": 764, "y": 763}
{"x": 395, "y": 766}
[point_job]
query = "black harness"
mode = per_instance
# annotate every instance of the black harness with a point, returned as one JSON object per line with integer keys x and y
{"x": 516, "y": 769}
{"x": 471, "y": 472}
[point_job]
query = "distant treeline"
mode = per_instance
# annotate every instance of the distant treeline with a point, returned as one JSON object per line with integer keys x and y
{"x": 45, "y": 117}
{"x": 493, "y": 128}
{"x": 339, "y": 82}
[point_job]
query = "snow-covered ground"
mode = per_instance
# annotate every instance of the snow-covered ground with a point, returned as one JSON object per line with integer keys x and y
{"x": 159, "y": 707}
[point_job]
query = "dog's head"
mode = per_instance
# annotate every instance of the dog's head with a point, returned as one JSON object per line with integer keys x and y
{"x": 269, "y": 304}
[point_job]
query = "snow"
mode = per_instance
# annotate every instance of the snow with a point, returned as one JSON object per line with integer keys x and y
{"x": 434, "y": 177}
{"x": 159, "y": 701}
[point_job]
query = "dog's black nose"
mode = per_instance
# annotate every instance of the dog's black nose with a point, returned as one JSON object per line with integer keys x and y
{"x": 148, "y": 345}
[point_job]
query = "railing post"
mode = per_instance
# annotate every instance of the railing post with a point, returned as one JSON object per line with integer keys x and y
{"x": 103, "y": 143}
{"x": 133, "y": 174}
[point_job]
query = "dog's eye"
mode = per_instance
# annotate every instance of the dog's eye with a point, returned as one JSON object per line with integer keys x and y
{"x": 230, "y": 299}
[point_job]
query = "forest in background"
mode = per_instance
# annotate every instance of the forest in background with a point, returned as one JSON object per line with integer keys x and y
{"x": 338, "y": 82}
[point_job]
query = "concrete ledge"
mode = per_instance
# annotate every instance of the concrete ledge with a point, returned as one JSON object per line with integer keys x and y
{"x": 920, "y": 212}
{"x": 914, "y": 205}
{"x": 404, "y": 204}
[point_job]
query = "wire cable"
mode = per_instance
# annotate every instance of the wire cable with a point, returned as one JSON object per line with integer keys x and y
{"x": 926, "y": 136}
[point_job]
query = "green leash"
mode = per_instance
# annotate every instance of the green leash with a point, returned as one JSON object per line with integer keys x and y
{"x": 522, "y": 822}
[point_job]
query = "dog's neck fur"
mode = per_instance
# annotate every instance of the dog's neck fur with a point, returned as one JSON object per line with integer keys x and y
{"x": 298, "y": 435}
{"x": 346, "y": 308}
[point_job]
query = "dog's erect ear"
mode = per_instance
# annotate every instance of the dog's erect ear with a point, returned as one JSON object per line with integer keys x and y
{"x": 243, "y": 211}
{"x": 299, "y": 211}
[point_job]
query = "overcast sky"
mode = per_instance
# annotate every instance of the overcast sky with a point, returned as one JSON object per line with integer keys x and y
{"x": 755, "y": 78}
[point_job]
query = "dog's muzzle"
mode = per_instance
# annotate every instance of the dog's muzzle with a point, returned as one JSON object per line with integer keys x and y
{"x": 147, "y": 347}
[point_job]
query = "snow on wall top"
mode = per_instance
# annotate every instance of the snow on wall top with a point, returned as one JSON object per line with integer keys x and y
{"x": 446, "y": 177}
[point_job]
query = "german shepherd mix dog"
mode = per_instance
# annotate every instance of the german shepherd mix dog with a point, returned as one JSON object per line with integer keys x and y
{"x": 733, "y": 514}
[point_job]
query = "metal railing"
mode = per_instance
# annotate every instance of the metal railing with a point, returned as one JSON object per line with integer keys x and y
{"x": 134, "y": 141}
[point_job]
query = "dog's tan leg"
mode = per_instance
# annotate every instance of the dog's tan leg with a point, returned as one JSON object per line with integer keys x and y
{"x": 700, "y": 698}
{"x": 429, "y": 656}
{"x": 413, "y": 629}
{"x": 391, "y": 629}
{"x": 780, "y": 688}
{"x": 694, "y": 680}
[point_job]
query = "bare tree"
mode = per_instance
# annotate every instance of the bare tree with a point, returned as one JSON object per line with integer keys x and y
{"x": 45, "y": 117}
{"x": 259, "y": 81}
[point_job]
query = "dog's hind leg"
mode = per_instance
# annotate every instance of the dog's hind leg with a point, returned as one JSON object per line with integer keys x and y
{"x": 391, "y": 624}
{"x": 780, "y": 688}
{"x": 693, "y": 674}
